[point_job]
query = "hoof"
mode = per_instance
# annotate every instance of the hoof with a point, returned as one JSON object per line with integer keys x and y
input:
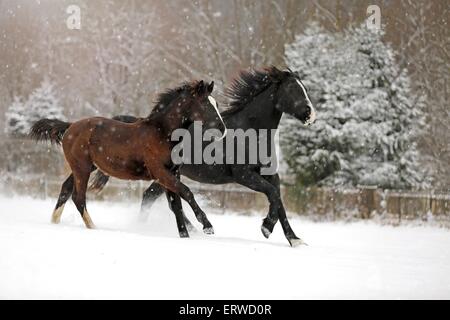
{"x": 297, "y": 242}
{"x": 266, "y": 232}
{"x": 184, "y": 234}
{"x": 208, "y": 230}
{"x": 191, "y": 228}
{"x": 56, "y": 216}
{"x": 267, "y": 228}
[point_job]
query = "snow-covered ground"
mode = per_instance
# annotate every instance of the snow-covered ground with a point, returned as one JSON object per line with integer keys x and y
{"x": 127, "y": 259}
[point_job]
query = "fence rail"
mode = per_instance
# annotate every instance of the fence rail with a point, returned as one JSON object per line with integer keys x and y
{"x": 386, "y": 206}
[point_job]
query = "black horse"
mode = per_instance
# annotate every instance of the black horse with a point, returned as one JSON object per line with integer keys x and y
{"x": 258, "y": 100}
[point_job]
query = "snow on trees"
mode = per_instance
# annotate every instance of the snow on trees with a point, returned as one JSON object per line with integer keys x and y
{"x": 369, "y": 118}
{"x": 16, "y": 123}
{"x": 42, "y": 103}
{"x": 124, "y": 41}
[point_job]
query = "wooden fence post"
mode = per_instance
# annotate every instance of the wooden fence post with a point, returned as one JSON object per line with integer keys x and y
{"x": 367, "y": 201}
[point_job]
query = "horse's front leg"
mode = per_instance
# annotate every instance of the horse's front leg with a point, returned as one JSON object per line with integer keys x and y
{"x": 256, "y": 182}
{"x": 176, "y": 207}
{"x": 271, "y": 219}
{"x": 172, "y": 183}
{"x": 149, "y": 197}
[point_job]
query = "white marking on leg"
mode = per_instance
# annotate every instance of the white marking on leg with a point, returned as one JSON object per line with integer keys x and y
{"x": 87, "y": 220}
{"x": 56, "y": 216}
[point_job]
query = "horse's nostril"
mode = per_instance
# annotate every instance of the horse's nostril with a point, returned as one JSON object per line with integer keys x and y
{"x": 311, "y": 115}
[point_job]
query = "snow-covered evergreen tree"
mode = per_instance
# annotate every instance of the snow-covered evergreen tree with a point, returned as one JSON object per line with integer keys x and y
{"x": 16, "y": 121}
{"x": 44, "y": 103}
{"x": 368, "y": 115}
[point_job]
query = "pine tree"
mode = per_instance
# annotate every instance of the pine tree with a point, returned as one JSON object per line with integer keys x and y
{"x": 16, "y": 123}
{"x": 368, "y": 116}
{"x": 43, "y": 103}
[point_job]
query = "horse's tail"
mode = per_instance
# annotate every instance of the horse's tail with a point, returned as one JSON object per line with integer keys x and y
{"x": 49, "y": 130}
{"x": 99, "y": 181}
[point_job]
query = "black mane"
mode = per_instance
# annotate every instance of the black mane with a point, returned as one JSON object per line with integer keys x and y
{"x": 165, "y": 99}
{"x": 250, "y": 84}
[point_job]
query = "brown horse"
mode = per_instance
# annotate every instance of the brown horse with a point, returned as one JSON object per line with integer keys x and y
{"x": 137, "y": 151}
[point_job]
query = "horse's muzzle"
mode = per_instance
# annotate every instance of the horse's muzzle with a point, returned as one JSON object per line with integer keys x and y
{"x": 311, "y": 116}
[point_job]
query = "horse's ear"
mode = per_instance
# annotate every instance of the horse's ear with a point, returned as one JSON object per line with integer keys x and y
{"x": 211, "y": 87}
{"x": 275, "y": 74}
{"x": 200, "y": 89}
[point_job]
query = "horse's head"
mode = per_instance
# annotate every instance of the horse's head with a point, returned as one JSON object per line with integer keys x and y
{"x": 205, "y": 108}
{"x": 292, "y": 98}
{"x": 192, "y": 101}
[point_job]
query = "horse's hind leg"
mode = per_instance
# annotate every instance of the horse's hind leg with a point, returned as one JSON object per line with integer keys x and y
{"x": 64, "y": 195}
{"x": 148, "y": 199}
{"x": 79, "y": 194}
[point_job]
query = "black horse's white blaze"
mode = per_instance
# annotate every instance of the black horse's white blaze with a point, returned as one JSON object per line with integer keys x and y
{"x": 312, "y": 116}
{"x": 214, "y": 104}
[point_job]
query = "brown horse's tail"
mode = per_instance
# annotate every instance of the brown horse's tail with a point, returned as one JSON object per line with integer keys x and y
{"x": 49, "y": 130}
{"x": 99, "y": 181}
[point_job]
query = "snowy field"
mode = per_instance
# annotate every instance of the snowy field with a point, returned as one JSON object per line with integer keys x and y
{"x": 127, "y": 259}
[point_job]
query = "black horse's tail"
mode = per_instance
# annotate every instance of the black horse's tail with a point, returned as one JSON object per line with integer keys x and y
{"x": 100, "y": 179}
{"x": 49, "y": 130}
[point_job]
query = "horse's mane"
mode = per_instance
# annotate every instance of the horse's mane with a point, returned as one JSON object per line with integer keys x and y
{"x": 249, "y": 84}
{"x": 165, "y": 98}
